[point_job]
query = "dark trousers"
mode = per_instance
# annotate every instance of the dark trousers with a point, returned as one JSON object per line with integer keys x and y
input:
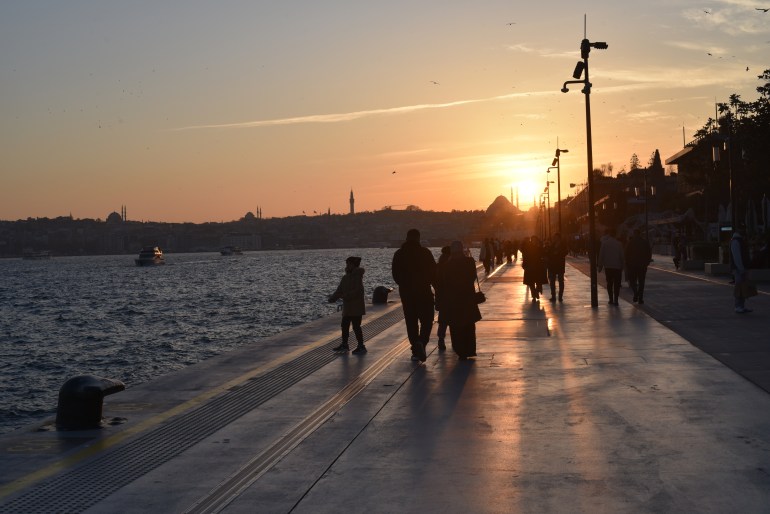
{"x": 356, "y": 322}
{"x": 636, "y": 278}
{"x": 418, "y": 315}
{"x": 553, "y": 277}
{"x": 442, "y": 326}
{"x": 613, "y": 277}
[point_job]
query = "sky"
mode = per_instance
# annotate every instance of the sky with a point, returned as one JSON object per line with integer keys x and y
{"x": 196, "y": 111}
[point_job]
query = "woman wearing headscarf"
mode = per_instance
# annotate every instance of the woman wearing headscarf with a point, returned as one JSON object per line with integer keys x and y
{"x": 459, "y": 301}
{"x": 535, "y": 273}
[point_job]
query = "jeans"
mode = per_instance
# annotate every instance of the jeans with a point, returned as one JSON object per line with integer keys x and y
{"x": 418, "y": 316}
{"x": 740, "y": 278}
{"x": 356, "y": 322}
{"x": 636, "y": 278}
{"x": 553, "y": 277}
{"x": 613, "y": 277}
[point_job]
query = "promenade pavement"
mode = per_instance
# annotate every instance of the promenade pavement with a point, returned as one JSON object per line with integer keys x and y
{"x": 566, "y": 408}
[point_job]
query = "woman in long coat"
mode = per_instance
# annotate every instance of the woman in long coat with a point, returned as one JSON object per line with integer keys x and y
{"x": 533, "y": 262}
{"x": 459, "y": 301}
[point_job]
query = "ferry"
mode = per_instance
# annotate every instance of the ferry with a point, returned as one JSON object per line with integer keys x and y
{"x": 36, "y": 256}
{"x": 231, "y": 250}
{"x": 150, "y": 256}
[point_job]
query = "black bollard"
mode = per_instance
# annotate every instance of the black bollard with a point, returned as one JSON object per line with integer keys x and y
{"x": 380, "y": 294}
{"x": 80, "y": 401}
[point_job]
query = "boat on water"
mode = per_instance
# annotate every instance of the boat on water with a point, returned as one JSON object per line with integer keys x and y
{"x": 36, "y": 256}
{"x": 231, "y": 250}
{"x": 150, "y": 256}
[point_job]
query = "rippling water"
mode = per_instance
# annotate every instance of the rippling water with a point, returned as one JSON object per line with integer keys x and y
{"x": 105, "y": 316}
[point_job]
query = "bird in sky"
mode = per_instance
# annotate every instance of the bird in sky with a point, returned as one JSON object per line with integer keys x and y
{"x": 394, "y": 172}
{"x": 511, "y": 23}
{"x": 434, "y": 83}
{"x": 762, "y": 9}
{"x": 706, "y": 11}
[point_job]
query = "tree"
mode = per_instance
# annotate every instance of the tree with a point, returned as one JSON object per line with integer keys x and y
{"x": 743, "y": 129}
{"x": 634, "y": 165}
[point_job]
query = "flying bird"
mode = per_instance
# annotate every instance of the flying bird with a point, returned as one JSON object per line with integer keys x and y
{"x": 394, "y": 172}
{"x": 434, "y": 83}
{"x": 706, "y": 11}
{"x": 511, "y": 23}
{"x": 762, "y": 9}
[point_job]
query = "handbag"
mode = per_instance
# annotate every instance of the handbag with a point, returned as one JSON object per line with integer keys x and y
{"x": 745, "y": 289}
{"x": 748, "y": 289}
{"x": 479, "y": 295}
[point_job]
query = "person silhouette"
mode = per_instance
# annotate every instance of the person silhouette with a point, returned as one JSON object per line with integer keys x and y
{"x": 414, "y": 270}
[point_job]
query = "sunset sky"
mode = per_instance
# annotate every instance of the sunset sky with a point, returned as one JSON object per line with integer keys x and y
{"x": 202, "y": 111}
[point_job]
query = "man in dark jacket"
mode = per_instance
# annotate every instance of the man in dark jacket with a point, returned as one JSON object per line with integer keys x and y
{"x": 414, "y": 270}
{"x": 638, "y": 257}
{"x": 556, "y": 263}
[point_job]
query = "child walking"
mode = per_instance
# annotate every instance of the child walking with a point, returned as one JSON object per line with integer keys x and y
{"x": 351, "y": 290}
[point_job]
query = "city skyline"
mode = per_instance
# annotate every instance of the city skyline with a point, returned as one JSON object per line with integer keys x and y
{"x": 194, "y": 112}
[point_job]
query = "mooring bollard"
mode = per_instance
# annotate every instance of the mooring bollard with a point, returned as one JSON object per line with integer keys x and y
{"x": 380, "y": 294}
{"x": 81, "y": 399}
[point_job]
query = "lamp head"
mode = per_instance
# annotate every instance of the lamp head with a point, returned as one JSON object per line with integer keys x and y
{"x": 579, "y": 67}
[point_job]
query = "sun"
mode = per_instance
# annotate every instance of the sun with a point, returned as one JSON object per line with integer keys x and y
{"x": 525, "y": 191}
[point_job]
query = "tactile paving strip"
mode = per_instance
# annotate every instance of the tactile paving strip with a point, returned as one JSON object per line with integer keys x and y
{"x": 81, "y": 487}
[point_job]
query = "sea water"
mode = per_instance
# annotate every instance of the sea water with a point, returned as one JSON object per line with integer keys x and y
{"x": 105, "y": 316}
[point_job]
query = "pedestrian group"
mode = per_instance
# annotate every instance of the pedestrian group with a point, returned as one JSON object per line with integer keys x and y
{"x": 449, "y": 285}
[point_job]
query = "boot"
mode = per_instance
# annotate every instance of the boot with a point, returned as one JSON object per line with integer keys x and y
{"x": 343, "y": 348}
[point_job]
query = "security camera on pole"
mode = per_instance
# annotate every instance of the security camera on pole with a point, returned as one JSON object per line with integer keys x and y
{"x": 580, "y": 68}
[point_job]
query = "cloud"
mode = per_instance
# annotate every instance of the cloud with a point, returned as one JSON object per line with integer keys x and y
{"x": 698, "y": 47}
{"x": 355, "y": 115}
{"x": 545, "y": 52}
{"x": 732, "y": 17}
{"x": 647, "y": 116}
{"x": 672, "y": 78}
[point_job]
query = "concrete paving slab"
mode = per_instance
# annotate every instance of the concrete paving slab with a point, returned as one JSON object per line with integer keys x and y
{"x": 566, "y": 408}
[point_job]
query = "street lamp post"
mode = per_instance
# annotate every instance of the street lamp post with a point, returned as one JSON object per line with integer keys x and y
{"x": 582, "y": 66}
{"x": 547, "y": 192}
{"x": 558, "y": 192}
{"x": 646, "y": 216}
{"x": 557, "y": 163}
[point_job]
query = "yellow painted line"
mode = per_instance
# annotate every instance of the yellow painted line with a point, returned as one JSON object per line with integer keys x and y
{"x": 108, "y": 442}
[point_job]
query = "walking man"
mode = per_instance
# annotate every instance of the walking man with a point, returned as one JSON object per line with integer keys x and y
{"x": 557, "y": 254}
{"x": 611, "y": 259}
{"x": 638, "y": 257}
{"x": 414, "y": 270}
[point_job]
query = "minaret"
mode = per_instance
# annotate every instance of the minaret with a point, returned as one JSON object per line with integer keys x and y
{"x": 352, "y": 203}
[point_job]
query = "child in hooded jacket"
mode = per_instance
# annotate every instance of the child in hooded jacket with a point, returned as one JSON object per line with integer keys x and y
{"x": 351, "y": 291}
